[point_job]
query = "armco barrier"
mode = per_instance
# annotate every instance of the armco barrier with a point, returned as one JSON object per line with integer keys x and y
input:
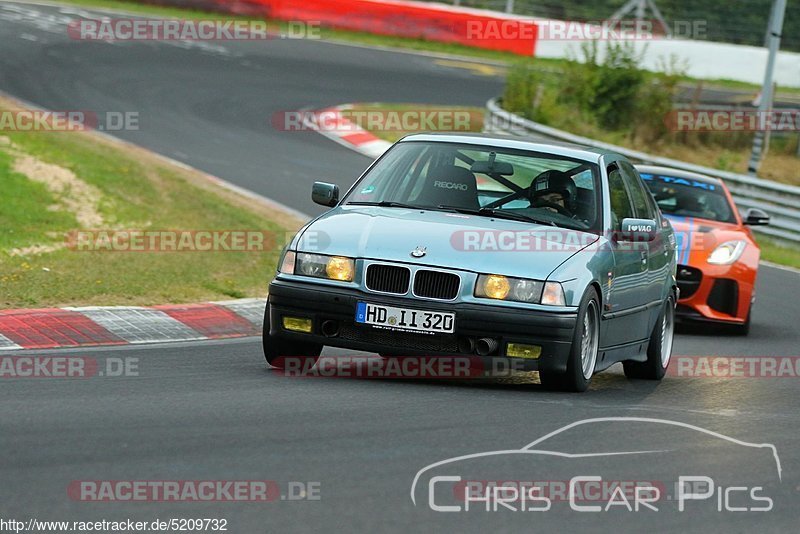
{"x": 781, "y": 201}
{"x": 433, "y": 22}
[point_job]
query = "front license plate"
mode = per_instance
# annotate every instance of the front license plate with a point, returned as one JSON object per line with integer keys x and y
{"x": 405, "y": 319}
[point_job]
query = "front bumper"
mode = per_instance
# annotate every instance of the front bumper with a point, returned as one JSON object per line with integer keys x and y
{"x": 720, "y": 294}
{"x": 551, "y": 331}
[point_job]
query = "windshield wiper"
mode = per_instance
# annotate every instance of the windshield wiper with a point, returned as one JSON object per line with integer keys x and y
{"x": 500, "y": 214}
{"x": 386, "y": 204}
{"x": 482, "y": 212}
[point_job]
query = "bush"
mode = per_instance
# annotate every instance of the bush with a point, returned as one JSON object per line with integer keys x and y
{"x": 654, "y": 103}
{"x": 605, "y": 89}
{"x": 618, "y": 83}
{"x": 610, "y": 93}
{"x": 521, "y": 84}
{"x": 613, "y": 100}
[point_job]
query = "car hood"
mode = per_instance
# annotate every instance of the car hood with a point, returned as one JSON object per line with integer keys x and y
{"x": 692, "y": 224}
{"x": 451, "y": 240}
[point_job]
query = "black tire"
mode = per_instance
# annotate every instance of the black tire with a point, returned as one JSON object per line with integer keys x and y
{"x": 277, "y": 350}
{"x": 574, "y": 379}
{"x": 659, "y": 348}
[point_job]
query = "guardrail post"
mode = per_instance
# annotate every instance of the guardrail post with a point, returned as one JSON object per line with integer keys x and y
{"x": 765, "y": 106}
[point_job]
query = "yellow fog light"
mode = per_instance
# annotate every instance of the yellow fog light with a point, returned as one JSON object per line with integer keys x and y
{"x": 340, "y": 268}
{"x": 518, "y": 350}
{"x": 496, "y": 286}
{"x": 297, "y": 324}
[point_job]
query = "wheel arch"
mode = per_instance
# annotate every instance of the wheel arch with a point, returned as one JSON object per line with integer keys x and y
{"x": 599, "y": 290}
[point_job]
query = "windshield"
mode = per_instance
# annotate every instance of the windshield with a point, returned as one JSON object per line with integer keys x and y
{"x": 685, "y": 197}
{"x": 490, "y": 181}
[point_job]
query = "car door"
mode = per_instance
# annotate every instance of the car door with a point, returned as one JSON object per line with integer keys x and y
{"x": 658, "y": 259}
{"x": 625, "y": 313}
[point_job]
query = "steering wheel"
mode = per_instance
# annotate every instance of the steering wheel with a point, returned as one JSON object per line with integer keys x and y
{"x": 552, "y": 205}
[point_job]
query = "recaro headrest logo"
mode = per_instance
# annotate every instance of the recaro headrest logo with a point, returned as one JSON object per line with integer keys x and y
{"x": 450, "y": 185}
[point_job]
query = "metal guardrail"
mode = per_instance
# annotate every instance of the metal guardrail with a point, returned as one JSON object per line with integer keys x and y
{"x": 780, "y": 201}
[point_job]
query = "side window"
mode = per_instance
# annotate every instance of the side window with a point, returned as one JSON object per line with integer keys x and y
{"x": 620, "y": 201}
{"x": 654, "y": 209}
{"x": 642, "y": 205}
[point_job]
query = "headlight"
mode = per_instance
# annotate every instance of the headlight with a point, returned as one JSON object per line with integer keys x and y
{"x": 340, "y": 268}
{"x": 321, "y": 266}
{"x": 492, "y": 286}
{"x": 727, "y": 253}
{"x": 495, "y": 286}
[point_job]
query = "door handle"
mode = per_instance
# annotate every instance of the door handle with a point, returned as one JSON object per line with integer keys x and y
{"x": 644, "y": 257}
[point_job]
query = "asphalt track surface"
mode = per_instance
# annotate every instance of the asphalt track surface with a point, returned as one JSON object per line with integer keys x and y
{"x": 212, "y": 411}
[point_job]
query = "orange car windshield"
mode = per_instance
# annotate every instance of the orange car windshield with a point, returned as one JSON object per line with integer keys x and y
{"x": 689, "y": 198}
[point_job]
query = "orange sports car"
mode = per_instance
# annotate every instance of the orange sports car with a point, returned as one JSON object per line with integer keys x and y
{"x": 717, "y": 253}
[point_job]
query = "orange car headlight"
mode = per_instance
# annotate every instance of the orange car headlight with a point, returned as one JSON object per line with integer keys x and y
{"x": 727, "y": 252}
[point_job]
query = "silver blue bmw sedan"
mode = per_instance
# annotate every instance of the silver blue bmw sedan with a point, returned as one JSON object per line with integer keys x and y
{"x": 487, "y": 246}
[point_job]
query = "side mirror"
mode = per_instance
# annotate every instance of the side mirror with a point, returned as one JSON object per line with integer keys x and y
{"x": 325, "y": 194}
{"x": 638, "y": 230}
{"x": 756, "y": 217}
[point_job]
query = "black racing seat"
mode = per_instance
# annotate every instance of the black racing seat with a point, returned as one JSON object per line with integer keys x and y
{"x": 450, "y": 185}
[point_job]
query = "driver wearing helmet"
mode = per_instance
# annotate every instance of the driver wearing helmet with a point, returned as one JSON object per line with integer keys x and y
{"x": 555, "y": 191}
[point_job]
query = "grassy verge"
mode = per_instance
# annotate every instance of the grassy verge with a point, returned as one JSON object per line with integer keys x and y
{"x": 614, "y": 101}
{"x": 58, "y": 182}
{"x": 368, "y": 39}
{"x": 781, "y": 163}
{"x": 778, "y": 165}
{"x": 780, "y": 253}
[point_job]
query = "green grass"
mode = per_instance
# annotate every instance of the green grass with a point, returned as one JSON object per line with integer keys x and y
{"x": 145, "y": 9}
{"x": 368, "y": 39}
{"x": 24, "y": 216}
{"x": 136, "y": 192}
{"x": 779, "y": 252}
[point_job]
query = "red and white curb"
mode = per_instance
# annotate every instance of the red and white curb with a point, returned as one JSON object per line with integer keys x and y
{"x": 121, "y": 325}
{"x": 331, "y": 123}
